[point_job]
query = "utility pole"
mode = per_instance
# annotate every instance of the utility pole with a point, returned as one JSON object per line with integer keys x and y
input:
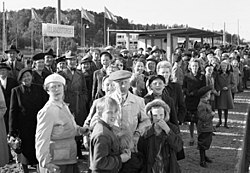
{"x": 58, "y": 15}
{"x": 4, "y": 31}
{"x": 238, "y": 30}
{"x": 224, "y": 34}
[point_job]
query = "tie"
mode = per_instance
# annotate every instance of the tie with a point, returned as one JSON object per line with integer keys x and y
{"x": 12, "y": 66}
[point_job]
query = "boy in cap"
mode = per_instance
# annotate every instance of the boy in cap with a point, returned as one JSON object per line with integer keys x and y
{"x": 205, "y": 127}
{"x": 155, "y": 85}
{"x": 161, "y": 141}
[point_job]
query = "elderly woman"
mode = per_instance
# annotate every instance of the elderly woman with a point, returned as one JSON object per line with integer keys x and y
{"x": 193, "y": 82}
{"x": 26, "y": 100}
{"x": 56, "y": 130}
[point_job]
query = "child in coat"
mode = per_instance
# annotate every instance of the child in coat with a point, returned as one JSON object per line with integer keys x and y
{"x": 161, "y": 141}
{"x": 104, "y": 145}
{"x": 205, "y": 127}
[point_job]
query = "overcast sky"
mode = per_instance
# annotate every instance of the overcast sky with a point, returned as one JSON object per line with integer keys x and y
{"x": 207, "y": 14}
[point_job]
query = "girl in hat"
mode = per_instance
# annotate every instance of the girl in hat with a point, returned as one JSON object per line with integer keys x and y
{"x": 160, "y": 141}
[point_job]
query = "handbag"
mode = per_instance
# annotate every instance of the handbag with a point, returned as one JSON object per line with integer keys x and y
{"x": 15, "y": 145}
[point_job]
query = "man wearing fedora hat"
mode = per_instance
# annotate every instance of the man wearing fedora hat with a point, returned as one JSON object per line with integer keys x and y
{"x": 76, "y": 93}
{"x": 15, "y": 65}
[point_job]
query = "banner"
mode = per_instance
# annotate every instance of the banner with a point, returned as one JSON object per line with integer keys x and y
{"x": 88, "y": 16}
{"x": 34, "y": 16}
{"x": 55, "y": 30}
{"x": 110, "y": 15}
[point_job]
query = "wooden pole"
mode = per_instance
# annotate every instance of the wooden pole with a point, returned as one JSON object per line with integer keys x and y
{"x": 58, "y": 14}
{"x": 224, "y": 34}
{"x": 32, "y": 39}
{"x": 104, "y": 33}
{"x": 4, "y": 33}
{"x": 108, "y": 36}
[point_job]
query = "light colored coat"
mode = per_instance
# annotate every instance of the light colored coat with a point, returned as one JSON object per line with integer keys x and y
{"x": 133, "y": 114}
{"x": 55, "y": 135}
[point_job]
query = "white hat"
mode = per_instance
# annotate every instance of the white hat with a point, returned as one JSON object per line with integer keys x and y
{"x": 54, "y": 78}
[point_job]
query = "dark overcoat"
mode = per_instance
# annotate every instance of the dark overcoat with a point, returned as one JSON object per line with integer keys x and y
{"x": 225, "y": 99}
{"x": 11, "y": 83}
{"x": 76, "y": 95}
{"x": 25, "y": 103}
{"x": 171, "y": 144}
{"x": 174, "y": 90}
{"x": 191, "y": 86}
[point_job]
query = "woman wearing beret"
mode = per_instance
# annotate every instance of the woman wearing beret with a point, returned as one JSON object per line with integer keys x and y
{"x": 26, "y": 100}
{"x": 56, "y": 130}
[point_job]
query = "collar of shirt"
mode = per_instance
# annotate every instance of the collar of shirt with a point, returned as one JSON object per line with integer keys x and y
{"x": 3, "y": 82}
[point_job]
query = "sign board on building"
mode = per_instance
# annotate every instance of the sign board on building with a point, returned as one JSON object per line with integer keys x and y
{"x": 56, "y": 30}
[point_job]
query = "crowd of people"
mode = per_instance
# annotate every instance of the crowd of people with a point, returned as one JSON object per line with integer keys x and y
{"x": 125, "y": 108}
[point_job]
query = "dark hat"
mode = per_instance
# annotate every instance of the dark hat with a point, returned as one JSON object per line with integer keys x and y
{"x": 24, "y": 70}
{"x": 163, "y": 51}
{"x": 69, "y": 55}
{"x": 86, "y": 58}
{"x": 106, "y": 53}
{"x": 154, "y": 77}
{"x": 154, "y": 49}
{"x": 151, "y": 58}
{"x": 50, "y": 52}
{"x": 4, "y": 65}
{"x": 12, "y": 48}
{"x": 204, "y": 90}
{"x": 120, "y": 75}
{"x": 60, "y": 59}
{"x": 38, "y": 56}
{"x": 141, "y": 49}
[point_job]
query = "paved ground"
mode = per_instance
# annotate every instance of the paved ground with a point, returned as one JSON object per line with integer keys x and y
{"x": 225, "y": 149}
{"x": 226, "y": 146}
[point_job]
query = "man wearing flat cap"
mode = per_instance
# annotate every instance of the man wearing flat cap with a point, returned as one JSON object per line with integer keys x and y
{"x": 76, "y": 93}
{"x": 38, "y": 72}
{"x": 15, "y": 65}
{"x": 133, "y": 116}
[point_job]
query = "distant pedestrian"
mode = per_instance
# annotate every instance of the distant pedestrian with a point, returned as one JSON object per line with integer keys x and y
{"x": 224, "y": 84}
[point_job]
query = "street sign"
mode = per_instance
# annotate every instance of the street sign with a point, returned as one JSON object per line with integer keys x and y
{"x": 56, "y": 30}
